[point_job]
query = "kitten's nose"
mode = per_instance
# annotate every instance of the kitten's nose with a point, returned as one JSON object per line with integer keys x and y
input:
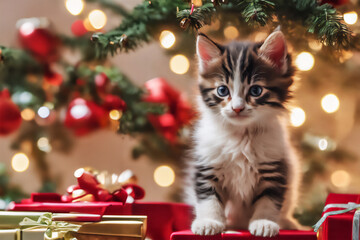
{"x": 237, "y": 110}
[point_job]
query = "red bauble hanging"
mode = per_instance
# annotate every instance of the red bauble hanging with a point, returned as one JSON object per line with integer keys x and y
{"x": 101, "y": 81}
{"x": 78, "y": 28}
{"x": 85, "y": 116}
{"x": 53, "y": 78}
{"x": 10, "y": 117}
{"x": 179, "y": 112}
{"x": 39, "y": 41}
{"x": 113, "y": 102}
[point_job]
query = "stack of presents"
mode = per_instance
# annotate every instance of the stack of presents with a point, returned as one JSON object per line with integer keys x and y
{"x": 91, "y": 212}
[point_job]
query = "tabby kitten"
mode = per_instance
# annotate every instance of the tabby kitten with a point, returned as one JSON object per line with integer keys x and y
{"x": 244, "y": 172}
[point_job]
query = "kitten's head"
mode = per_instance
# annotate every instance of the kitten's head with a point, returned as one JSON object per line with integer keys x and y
{"x": 244, "y": 81}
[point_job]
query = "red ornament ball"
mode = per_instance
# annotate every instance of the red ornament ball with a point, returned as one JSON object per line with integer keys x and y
{"x": 10, "y": 117}
{"x": 85, "y": 116}
{"x": 53, "y": 78}
{"x": 39, "y": 41}
{"x": 113, "y": 102}
{"x": 78, "y": 28}
{"x": 101, "y": 82}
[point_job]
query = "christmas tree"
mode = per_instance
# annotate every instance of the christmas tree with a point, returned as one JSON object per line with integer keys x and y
{"x": 57, "y": 88}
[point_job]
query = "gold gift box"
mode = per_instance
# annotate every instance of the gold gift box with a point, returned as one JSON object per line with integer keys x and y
{"x": 111, "y": 227}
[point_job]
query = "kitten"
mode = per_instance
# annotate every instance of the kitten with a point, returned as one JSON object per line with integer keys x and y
{"x": 244, "y": 172}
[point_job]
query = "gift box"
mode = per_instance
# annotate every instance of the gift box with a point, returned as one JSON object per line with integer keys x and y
{"x": 245, "y": 235}
{"x": 338, "y": 220}
{"x": 162, "y": 218}
{"x": 33, "y": 226}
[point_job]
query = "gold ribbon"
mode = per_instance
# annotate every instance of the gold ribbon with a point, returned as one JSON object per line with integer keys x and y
{"x": 55, "y": 230}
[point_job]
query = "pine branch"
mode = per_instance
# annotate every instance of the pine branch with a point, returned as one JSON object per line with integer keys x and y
{"x": 257, "y": 11}
{"x": 116, "y": 8}
{"x": 18, "y": 60}
{"x": 201, "y": 16}
{"x": 328, "y": 25}
{"x": 139, "y": 27}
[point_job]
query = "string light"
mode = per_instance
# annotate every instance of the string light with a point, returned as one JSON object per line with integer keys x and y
{"x": 231, "y": 32}
{"x": 115, "y": 114}
{"x": 179, "y": 64}
{"x": 44, "y": 145}
{"x": 27, "y": 114}
{"x": 164, "y": 176}
{"x": 297, "y": 116}
{"x": 20, "y": 162}
{"x": 340, "y": 178}
{"x": 330, "y": 103}
{"x": 323, "y": 144}
{"x": 305, "y": 61}
{"x": 97, "y": 19}
{"x": 43, "y": 112}
{"x": 350, "y": 17}
{"x": 167, "y": 39}
{"x": 75, "y": 7}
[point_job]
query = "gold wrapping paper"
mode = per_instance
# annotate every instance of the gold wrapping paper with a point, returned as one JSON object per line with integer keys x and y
{"x": 10, "y": 234}
{"x": 111, "y": 227}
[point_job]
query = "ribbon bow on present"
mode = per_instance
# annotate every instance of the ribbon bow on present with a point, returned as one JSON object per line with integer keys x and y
{"x": 55, "y": 230}
{"x": 94, "y": 186}
{"x": 347, "y": 207}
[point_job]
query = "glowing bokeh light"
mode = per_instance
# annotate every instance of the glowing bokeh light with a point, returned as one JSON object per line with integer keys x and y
{"x": 27, "y": 114}
{"x": 44, "y": 145}
{"x": 330, "y": 103}
{"x": 297, "y": 116}
{"x": 323, "y": 144}
{"x": 97, "y": 19}
{"x": 305, "y": 61}
{"x": 167, "y": 39}
{"x": 43, "y": 112}
{"x": 315, "y": 45}
{"x": 164, "y": 176}
{"x": 75, "y": 7}
{"x": 115, "y": 114}
{"x": 231, "y": 32}
{"x": 179, "y": 64}
{"x": 340, "y": 178}
{"x": 350, "y": 17}
{"x": 20, "y": 162}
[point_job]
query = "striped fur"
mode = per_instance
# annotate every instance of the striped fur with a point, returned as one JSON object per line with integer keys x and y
{"x": 243, "y": 173}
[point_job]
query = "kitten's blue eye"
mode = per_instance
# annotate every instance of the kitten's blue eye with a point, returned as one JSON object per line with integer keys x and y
{"x": 223, "y": 91}
{"x": 255, "y": 90}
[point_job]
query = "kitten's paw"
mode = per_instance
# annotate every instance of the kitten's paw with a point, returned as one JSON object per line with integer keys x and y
{"x": 207, "y": 226}
{"x": 264, "y": 228}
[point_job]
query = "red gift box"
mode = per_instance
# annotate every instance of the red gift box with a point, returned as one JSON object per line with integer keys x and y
{"x": 162, "y": 218}
{"x": 245, "y": 235}
{"x": 339, "y": 226}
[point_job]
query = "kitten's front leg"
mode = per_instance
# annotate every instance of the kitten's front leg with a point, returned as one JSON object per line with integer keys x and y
{"x": 210, "y": 216}
{"x": 269, "y": 199}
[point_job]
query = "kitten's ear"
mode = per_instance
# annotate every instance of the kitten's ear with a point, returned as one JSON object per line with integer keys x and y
{"x": 274, "y": 49}
{"x": 207, "y": 50}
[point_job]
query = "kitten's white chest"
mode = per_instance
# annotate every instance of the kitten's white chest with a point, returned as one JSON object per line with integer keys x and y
{"x": 228, "y": 154}
{"x": 237, "y": 175}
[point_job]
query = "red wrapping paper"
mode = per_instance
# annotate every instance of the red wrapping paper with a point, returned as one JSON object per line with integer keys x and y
{"x": 245, "y": 235}
{"x": 338, "y": 227}
{"x": 162, "y": 218}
